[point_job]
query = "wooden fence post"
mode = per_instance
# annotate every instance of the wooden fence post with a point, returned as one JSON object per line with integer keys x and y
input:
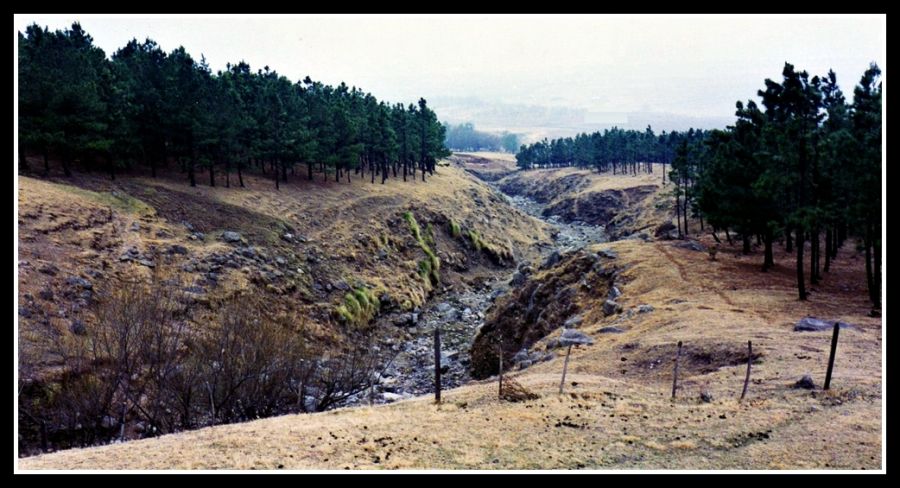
{"x": 675, "y": 379}
{"x": 747, "y": 378}
{"x": 834, "y": 340}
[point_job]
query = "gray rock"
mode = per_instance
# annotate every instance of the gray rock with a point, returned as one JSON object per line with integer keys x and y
{"x": 524, "y": 364}
{"x": 49, "y": 269}
{"x": 77, "y": 327}
{"x": 25, "y": 312}
{"x": 705, "y": 396}
{"x": 571, "y": 337}
{"x": 806, "y": 382}
{"x": 610, "y": 307}
{"x": 552, "y": 259}
{"x": 288, "y": 236}
{"x": 382, "y": 253}
{"x": 280, "y": 261}
{"x": 177, "y": 249}
{"x": 520, "y": 356}
{"x": 391, "y": 397}
{"x": 812, "y": 324}
{"x": 614, "y": 292}
{"x": 573, "y": 321}
{"x": 691, "y": 245}
{"x": 147, "y": 263}
{"x": 75, "y": 281}
{"x": 610, "y": 330}
{"x": 46, "y": 294}
{"x": 552, "y": 344}
{"x": 24, "y": 263}
{"x": 644, "y": 308}
{"x": 443, "y": 307}
{"x": 231, "y": 236}
{"x": 608, "y": 253}
{"x": 342, "y": 285}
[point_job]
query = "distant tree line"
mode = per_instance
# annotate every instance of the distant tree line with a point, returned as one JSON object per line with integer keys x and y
{"x": 616, "y": 150}
{"x": 144, "y": 107}
{"x": 464, "y": 137}
{"x": 807, "y": 167}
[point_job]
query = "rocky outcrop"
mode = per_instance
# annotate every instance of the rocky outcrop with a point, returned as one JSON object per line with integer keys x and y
{"x": 540, "y": 305}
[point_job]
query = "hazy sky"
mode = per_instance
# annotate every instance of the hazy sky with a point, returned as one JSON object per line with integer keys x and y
{"x": 696, "y": 65}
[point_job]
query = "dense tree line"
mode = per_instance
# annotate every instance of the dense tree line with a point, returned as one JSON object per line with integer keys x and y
{"x": 616, "y": 150}
{"x": 464, "y": 137}
{"x": 805, "y": 166}
{"x": 144, "y": 107}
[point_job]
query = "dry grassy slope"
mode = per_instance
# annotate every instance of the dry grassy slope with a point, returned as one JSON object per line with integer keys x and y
{"x": 488, "y": 166}
{"x": 86, "y": 223}
{"x": 617, "y": 412}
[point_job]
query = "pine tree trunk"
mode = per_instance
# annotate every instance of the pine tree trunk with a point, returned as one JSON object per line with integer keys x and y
{"x": 814, "y": 257}
{"x": 767, "y": 240}
{"x": 212, "y": 175}
{"x": 46, "y": 165}
{"x": 801, "y": 285}
{"x": 746, "y": 240}
{"x": 876, "y": 271}
{"x": 240, "y": 177}
{"x": 789, "y": 243}
{"x": 828, "y": 245}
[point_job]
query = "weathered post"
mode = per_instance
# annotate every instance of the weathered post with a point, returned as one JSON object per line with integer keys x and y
{"x": 675, "y": 379}
{"x": 834, "y": 339}
{"x": 437, "y": 365}
{"x": 500, "y": 388}
{"x": 747, "y": 378}
{"x": 569, "y": 338}
{"x": 562, "y": 382}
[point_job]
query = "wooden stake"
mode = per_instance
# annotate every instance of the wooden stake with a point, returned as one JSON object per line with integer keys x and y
{"x": 675, "y": 379}
{"x": 747, "y": 378}
{"x": 565, "y": 367}
{"x": 834, "y": 339}
{"x": 500, "y": 388}
{"x": 437, "y": 365}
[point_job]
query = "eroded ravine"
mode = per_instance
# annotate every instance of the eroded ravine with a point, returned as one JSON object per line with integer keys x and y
{"x": 460, "y": 313}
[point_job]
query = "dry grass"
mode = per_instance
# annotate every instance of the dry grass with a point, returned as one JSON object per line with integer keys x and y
{"x": 616, "y": 413}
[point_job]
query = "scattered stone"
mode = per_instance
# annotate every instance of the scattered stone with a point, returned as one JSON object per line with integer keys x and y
{"x": 608, "y": 253}
{"x": 49, "y": 269}
{"x": 610, "y": 330}
{"x": 645, "y": 308}
{"x": 79, "y": 282}
{"x": 552, "y": 259}
{"x": 573, "y": 321}
{"x": 705, "y": 396}
{"x": 610, "y": 307}
{"x": 24, "y": 263}
{"x": 382, "y": 253}
{"x": 288, "y": 236}
{"x": 443, "y": 307}
{"x": 812, "y": 324}
{"x": 571, "y": 337}
{"x": 342, "y": 285}
{"x": 614, "y": 292}
{"x": 806, "y": 382}
{"x": 25, "y": 312}
{"x": 520, "y": 356}
{"x": 135, "y": 227}
{"x": 46, "y": 294}
{"x": 691, "y": 245}
{"x": 177, "y": 249}
{"x": 231, "y": 236}
{"x": 280, "y": 261}
{"x": 147, "y": 263}
{"x": 77, "y": 327}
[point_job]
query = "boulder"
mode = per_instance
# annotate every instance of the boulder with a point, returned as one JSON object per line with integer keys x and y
{"x": 571, "y": 337}
{"x": 645, "y": 308}
{"x": 177, "y": 249}
{"x": 610, "y": 308}
{"x": 806, "y": 382}
{"x": 812, "y": 324}
{"x": 75, "y": 281}
{"x": 691, "y": 245}
{"x": 49, "y": 269}
{"x": 573, "y": 321}
{"x": 231, "y": 236}
{"x": 610, "y": 330}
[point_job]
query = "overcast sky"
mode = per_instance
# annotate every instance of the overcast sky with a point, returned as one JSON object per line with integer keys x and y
{"x": 696, "y": 65}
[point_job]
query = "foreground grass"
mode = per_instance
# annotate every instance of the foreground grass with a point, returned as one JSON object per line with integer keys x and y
{"x": 617, "y": 412}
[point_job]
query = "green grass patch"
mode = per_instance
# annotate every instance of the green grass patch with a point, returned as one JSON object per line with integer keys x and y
{"x": 359, "y": 307}
{"x": 429, "y": 269}
{"x": 119, "y": 201}
{"x": 455, "y": 230}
